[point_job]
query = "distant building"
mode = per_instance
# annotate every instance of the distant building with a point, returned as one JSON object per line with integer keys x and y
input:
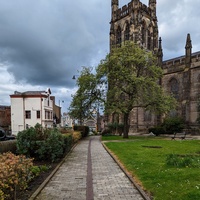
{"x": 29, "y": 108}
{"x": 5, "y": 117}
{"x": 66, "y": 121}
{"x": 56, "y": 112}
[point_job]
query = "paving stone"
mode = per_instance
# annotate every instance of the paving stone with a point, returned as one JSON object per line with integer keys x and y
{"x": 70, "y": 181}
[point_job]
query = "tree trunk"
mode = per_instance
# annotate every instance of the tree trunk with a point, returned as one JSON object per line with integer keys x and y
{"x": 126, "y": 125}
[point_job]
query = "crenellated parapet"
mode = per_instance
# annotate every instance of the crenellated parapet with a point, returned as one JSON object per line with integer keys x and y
{"x": 124, "y": 11}
{"x": 127, "y": 9}
{"x": 134, "y": 21}
{"x": 179, "y": 64}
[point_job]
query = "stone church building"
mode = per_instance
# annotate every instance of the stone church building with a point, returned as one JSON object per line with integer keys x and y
{"x": 138, "y": 22}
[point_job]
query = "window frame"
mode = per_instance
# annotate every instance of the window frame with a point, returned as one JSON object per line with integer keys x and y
{"x": 28, "y": 114}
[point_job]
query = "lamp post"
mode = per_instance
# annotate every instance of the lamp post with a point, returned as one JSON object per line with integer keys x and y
{"x": 74, "y": 77}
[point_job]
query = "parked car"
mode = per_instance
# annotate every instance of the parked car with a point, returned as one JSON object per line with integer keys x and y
{"x": 4, "y": 137}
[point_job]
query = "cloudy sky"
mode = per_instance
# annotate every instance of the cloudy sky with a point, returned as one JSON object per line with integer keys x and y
{"x": 44, "y": 42}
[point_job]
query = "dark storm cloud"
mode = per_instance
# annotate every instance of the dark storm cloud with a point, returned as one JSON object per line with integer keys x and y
{"x": 177, "y": 19}
{"x": 44, "y": 42}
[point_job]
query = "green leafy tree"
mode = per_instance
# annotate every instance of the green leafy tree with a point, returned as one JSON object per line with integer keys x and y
{"x": 87, "y": 96}
{"x": 133, "y": 78}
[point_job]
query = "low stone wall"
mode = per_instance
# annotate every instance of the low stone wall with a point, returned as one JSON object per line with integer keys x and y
{"x": 8, "y": 145}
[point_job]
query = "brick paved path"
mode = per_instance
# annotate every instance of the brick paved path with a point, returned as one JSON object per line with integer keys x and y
{"x": 75, "y": 180}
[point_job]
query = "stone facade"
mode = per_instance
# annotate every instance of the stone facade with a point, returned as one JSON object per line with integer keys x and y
{"x": 138, "y": 22}
{"x": 182, "y": 78}
{"x": 135, "y": 22}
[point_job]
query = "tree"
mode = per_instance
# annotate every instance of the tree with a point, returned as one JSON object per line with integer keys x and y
{"x": 133, "y": 78}
{"x": 88, "y": 95}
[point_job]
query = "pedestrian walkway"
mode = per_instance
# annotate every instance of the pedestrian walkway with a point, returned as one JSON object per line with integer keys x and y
{"x": 89, "y": 173}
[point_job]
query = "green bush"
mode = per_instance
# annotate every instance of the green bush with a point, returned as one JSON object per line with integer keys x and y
{"x": 83, "y": 129}
{"x": 51, "y": 148}
{"x": 68, "y": 142}
{"x": 106, "y": 132}
{"x": 157, "y": 130}
{"x": 116, "y": 128}
{"x": 169, "y": 126}
{"x": 28, "y": 141}
{"x": 36, "y": 170}
{"x": 41, "y": 143}
{"x": 112, "y": 127}
{"x": 173, "y": 124}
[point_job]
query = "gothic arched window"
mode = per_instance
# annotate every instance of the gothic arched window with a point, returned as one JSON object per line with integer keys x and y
{"x": 174, "y": 88}
{"x": 127, "y": 32}
{"x": 147, "y": 116}
{"x": 144, "y": 34}
{"x": 149, "y": 41}
{"x": 119, "y": 36}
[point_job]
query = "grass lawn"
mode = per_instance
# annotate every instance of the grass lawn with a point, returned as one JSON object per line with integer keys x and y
{"x": 168, "y": 169}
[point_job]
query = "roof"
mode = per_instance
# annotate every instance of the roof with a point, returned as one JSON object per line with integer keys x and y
{"x": 181, "y": 57}
{"x": 31, "y": 94}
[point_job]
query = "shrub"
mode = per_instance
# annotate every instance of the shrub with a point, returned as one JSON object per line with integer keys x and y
{"x": 52, "y": 148}
{"x": 116, "y": 128}
{"x": 66, "y": 130}
{"x": 28, "y": 141}
{"x": 41, "y": 143}
{"x": 106, "y": 132}
{"x": 36, "y": 170}
{"x": 76, "y": 136}
{"x": 83, "y": 129}
{"x": 68, "y": 141}
{"x": 15, "y": 173}
{"x": 173, "y": 124}
{"x": 112, "y": 127}
{"x": 169, "y": 126}
{"x": 157, "y": 130}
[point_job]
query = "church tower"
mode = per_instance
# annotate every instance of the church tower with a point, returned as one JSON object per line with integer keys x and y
{"x": 135, "y": 21}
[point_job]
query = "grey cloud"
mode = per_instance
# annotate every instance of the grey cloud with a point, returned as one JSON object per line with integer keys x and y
{"x": 176, "y": 19}
{"x": 45, "y": 42}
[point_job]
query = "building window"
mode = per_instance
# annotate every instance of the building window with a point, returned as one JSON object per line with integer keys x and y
{"x": 38, "y": 114}
{"x": 149, "y": 41}
{"x": 28, "y": 114}
{"x": 173, "y": 113}
{"x": 143, "y": 36}
{"x": 126, "y": 33}
{"x": 48, "y": 114}
{"x": 119, "y": 36}
{"x": 174, "y": 89}
{"x": 147, "y": 116}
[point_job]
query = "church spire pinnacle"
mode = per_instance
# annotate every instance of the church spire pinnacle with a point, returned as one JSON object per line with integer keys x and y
{"x": 160, "y": 52}
{"x": 152, "y": 6}
{"x": 188, "y": 42}
{"x": 115, "y": 2}
{"x": 114, "y": 5}
{"x": 188, "y": 50}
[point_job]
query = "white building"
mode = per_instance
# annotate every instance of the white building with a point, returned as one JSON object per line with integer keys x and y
{"x": 30, "y": 108}
{"x": 66, "y": 120}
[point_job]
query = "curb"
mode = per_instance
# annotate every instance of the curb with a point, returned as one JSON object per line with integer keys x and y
{"x": 39, "y": 189}
{"x": 141, "y": 191}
